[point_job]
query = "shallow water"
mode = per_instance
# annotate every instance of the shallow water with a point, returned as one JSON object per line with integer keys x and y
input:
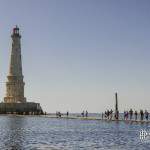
{"x": 42, "y": 133}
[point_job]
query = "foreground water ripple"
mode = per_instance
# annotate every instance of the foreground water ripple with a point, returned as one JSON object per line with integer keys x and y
{"x": 42, "y": 133}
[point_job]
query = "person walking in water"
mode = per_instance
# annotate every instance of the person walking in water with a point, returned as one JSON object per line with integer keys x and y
{"x": 124, "y": 114}
{"x": 135, "y": 113}
{"x": 142, "y": 114}
{"x": 67, "y": 114}
{"x": 105, "y": 114}
{"x": 111, "y": 113}
{"x": 108, "y": 113}
{"x": 131, "y": 113}
{"x": 102, "y": 115}
{"x": 117, "y": 115}
{"x": 86, "y": 113}
{"x": 82, "y": 114}
{"x": 146, "y": 114}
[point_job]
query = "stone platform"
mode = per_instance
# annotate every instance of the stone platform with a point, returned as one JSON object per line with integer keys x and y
{"x": 21, "y": 108}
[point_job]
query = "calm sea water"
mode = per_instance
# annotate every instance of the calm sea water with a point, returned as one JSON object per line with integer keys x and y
{"x": 42, "y": 133}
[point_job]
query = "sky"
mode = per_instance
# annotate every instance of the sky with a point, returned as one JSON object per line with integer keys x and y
{"x": 78, "y": 53}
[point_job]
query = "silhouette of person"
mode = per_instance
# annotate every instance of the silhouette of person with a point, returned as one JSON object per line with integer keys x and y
{"x": 86, "y": 113}
{"x": 135, "y": 113}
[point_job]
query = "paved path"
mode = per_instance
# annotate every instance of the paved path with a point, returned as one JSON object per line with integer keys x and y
{"x": 98, "y": 118}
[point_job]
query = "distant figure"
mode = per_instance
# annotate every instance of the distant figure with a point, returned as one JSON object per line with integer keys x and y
{"x": 86, "y": 113}
{"x": 108, "y": 113}
{"x": 146, "y": 114}
{"x": 135, "y": 113}
{"x": 127, "y": 115}
{"x": 124, "y": 114}
{"x": 67, "y": 114}
{"x": 105, "y": 114}
{"x": 102, "y": 115}
{"x": 111, "y": 113}
{"x": 130, "y": 113}
{"x": 82, "y": 114}
{"x": 60, "y": 114}
{"x": 142, "y": 114}
{"x": 117, "y": 115}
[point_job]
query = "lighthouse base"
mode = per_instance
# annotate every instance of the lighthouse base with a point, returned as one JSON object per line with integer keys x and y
{"x": 28, "y": 108}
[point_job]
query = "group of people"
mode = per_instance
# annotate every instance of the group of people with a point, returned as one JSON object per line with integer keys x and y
{"x": 84, "y": 113}
{"x": 129, "y": 115}
{"x": 107, "y": 114}
{"x": 59, "y": 114}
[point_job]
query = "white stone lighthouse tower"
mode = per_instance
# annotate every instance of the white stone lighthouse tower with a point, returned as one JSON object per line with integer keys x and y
{"x": 15, "y": 84}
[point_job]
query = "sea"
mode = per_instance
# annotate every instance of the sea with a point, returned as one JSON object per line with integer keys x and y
{"x": 47, "y": 133}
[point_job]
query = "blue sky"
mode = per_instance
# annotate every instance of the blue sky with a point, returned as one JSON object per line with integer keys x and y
{"x": 78, "y": 53}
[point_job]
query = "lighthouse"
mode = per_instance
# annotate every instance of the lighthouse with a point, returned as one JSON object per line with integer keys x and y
{"x": 14, "y": 101}
{"x": 15, "y": 83}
